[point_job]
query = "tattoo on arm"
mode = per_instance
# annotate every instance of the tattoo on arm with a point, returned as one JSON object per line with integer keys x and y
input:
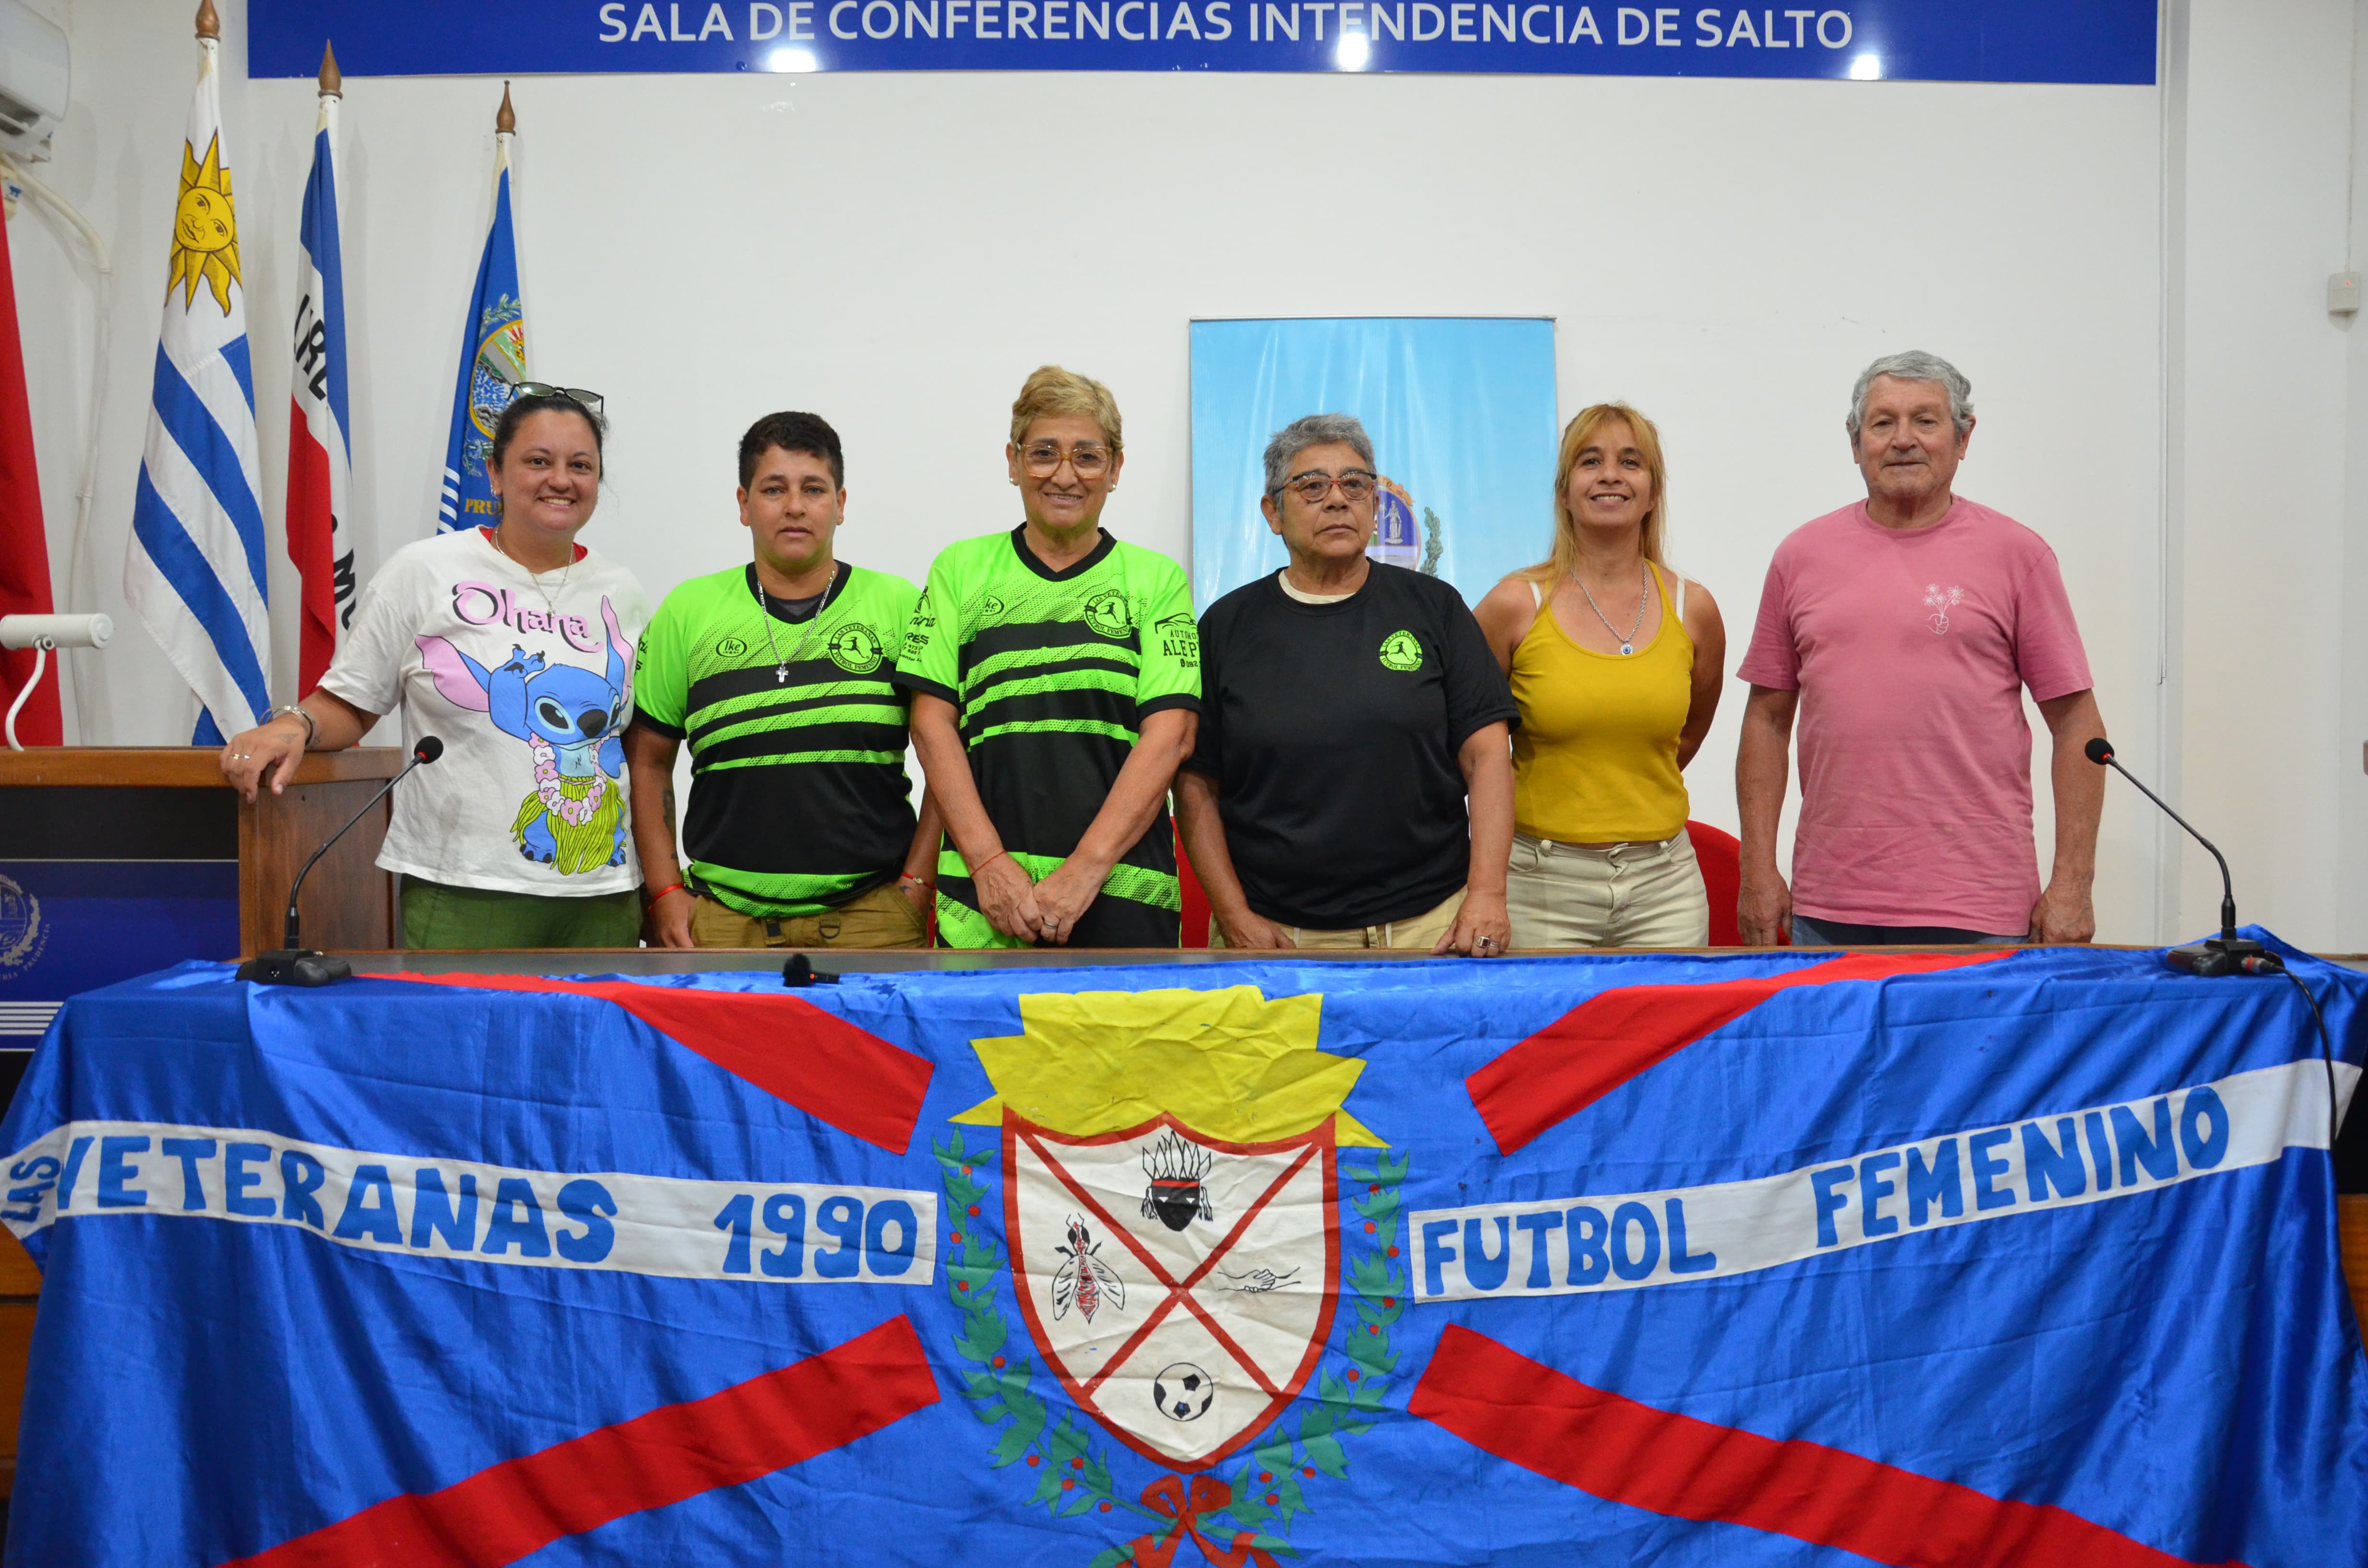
{"x": 666, "y": 798}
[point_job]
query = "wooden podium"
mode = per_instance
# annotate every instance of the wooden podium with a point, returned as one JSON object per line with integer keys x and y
{"x": 115, "y": 861}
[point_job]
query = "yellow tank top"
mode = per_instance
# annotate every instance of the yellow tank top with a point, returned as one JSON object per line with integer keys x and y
{"x": 1596, "y": 759}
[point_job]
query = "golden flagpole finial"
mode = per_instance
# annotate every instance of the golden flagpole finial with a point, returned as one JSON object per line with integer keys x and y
{"x": 333, "y": 84}
{"x": 504, "y": 119}
{"x": 209, "y": 22}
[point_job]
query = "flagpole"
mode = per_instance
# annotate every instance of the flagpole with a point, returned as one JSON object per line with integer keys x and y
{"x": 316, "y": 518}
{"x": 210, "y": 60}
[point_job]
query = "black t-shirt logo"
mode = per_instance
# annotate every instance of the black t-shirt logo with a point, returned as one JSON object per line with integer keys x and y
{"x": 1401, "y": 651}
{"x": 1108, "y": 613}
{"x": 855, "y": 649}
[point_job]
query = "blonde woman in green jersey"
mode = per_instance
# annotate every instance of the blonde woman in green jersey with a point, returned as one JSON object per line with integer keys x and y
{"x": 802, "y": 831}
{"x": 1055, "y": 674}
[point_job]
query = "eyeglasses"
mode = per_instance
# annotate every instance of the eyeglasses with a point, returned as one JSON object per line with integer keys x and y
{"x": 1043, "y": 459}
{"x": 1356, "y": 485}
{"x": 588, "y": 400}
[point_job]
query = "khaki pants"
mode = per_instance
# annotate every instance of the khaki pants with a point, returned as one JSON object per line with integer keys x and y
{"x": 1421, "y": 933}
{"x": 1626, "y": 895}
{"x": 881, "y": 918}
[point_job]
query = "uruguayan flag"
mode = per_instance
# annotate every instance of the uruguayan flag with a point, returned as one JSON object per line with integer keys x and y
{"x": 194, "y": 573}
{"x": 492, "y": 361}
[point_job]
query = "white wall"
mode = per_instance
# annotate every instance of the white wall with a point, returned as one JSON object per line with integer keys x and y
{"x": 2266, "y": 682}
{"x": 1725, "y": 253}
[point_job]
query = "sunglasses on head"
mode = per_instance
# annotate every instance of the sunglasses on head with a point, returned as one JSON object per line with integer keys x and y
{"x": 589, "y": 401}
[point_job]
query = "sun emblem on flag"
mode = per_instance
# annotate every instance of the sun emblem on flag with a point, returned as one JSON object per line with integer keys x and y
{"x": 205, "y": 229}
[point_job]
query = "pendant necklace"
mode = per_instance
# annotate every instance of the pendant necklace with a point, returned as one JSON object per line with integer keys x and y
{"x": 1627, "y": 643}
{"x": 549, "y": 602}
{"x": 765, "y": 614}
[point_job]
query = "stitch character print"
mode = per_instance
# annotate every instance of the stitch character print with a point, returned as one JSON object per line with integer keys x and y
{"x": 1940, "y": 601}
{"x": 569, "y": 718}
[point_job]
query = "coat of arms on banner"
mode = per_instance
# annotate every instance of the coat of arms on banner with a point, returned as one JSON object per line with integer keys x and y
{"x": 1172, "y": 1206}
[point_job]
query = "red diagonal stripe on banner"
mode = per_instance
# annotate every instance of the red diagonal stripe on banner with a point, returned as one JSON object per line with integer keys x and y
{"x": 677, "y": 1451}
{"x": 1615, "y": 1448}
{"x": 1610, "y": 1037}
{"x": 791, "y": 1049}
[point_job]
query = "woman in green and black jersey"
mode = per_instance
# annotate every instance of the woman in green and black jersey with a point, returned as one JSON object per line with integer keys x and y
{"x": 800, "y": 831}
{"x": 1055, "y": 674}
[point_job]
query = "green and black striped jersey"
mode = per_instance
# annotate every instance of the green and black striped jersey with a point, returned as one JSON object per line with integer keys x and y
{"x": 1052, "y": 673}
{"x": 798, "y": 795}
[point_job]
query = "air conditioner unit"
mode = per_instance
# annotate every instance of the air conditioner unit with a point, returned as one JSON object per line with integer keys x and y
{"x": 33, "y": 80}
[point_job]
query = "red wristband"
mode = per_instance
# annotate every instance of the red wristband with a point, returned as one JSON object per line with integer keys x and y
{"x": 671, "y": 887}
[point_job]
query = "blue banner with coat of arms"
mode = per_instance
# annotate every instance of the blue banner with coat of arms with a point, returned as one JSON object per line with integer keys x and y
{"x": 1906, "y": 1258}
{"x": 1460, "y": 409}
{"x": 492, "y": 361}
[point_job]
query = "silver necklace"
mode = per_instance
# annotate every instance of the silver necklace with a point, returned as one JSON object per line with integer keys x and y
{"x": 1627, "y": 643}
{"x": 765, "y": 614}
{"x": 535, "y": 577}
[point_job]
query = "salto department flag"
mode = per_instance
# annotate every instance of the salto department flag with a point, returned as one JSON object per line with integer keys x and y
{"x": 24, "y": 545}
{"x": 194, "y": 572}
{"x": 320, "y": 443}
{"x": 492, "y": 361}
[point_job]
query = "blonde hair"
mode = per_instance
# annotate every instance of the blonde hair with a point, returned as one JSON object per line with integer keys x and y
{"x": 1576, "y": 436}
{"x": 1051, "y": 392}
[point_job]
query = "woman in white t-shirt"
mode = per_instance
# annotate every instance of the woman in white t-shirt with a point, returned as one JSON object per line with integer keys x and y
{"x": 515, "y": 645}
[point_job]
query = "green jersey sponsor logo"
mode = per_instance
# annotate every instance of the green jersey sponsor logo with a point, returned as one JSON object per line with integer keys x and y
{"x": 1180, "y": 640}
{"x": 916, "y": 632}
{"x": 856, "y": 648}
{"x": 988, "y": 609}
{"x": 731, "y": 648}
{"x": 1401, "y": 651}
{"x": 1108, "y": 613}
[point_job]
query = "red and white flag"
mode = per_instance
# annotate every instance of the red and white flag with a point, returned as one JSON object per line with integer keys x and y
{"x": 24, "y": 546}
{"x": 320, "y": 448}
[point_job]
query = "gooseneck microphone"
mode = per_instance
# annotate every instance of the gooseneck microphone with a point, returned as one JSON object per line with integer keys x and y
{"x": 2223, "y": 954}
{"x": 292, "y": 963}
{"x": 2228, "y": 953}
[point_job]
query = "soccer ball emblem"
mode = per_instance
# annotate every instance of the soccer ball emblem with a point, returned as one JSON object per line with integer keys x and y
{"x": 1183, "y": 1392}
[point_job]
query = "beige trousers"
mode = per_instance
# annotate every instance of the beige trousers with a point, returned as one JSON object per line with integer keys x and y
{"x": 1627, "y": 895}
{"x": 1422, "y": 932}
{"x": 881, "y": 918}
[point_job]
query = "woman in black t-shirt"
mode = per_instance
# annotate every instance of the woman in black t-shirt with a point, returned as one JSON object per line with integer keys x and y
{"x": 1348, "y": 709}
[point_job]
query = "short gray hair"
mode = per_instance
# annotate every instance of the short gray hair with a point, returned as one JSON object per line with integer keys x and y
{"x": 1313, "y": 430}
{"x": 1915, "y": 365}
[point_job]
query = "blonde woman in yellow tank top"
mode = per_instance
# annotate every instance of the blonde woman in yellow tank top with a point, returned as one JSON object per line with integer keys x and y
{"x": 1615, "y": 661}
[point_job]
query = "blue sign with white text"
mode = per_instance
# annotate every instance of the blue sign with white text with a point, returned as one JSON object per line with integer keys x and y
{"x": 2101, "y": 41}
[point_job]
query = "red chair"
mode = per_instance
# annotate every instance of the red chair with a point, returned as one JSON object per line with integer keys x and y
{"x": 1720, "y": 855}
{"x": 1196, "y": 903}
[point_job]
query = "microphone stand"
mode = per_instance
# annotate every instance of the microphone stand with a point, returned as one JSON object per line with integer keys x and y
{"x": 2227, "y": 953}
{"x": 291, "y": 964}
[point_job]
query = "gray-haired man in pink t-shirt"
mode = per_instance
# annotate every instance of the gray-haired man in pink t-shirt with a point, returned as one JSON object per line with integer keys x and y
{"x": 1902, "y": 629}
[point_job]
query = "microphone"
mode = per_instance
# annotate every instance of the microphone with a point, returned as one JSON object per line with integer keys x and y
{"x": 2227, "y": 953}
{"x": 291, "y": 964}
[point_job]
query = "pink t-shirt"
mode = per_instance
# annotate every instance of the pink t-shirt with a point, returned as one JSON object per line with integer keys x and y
{"x": 1910, "y": 650}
